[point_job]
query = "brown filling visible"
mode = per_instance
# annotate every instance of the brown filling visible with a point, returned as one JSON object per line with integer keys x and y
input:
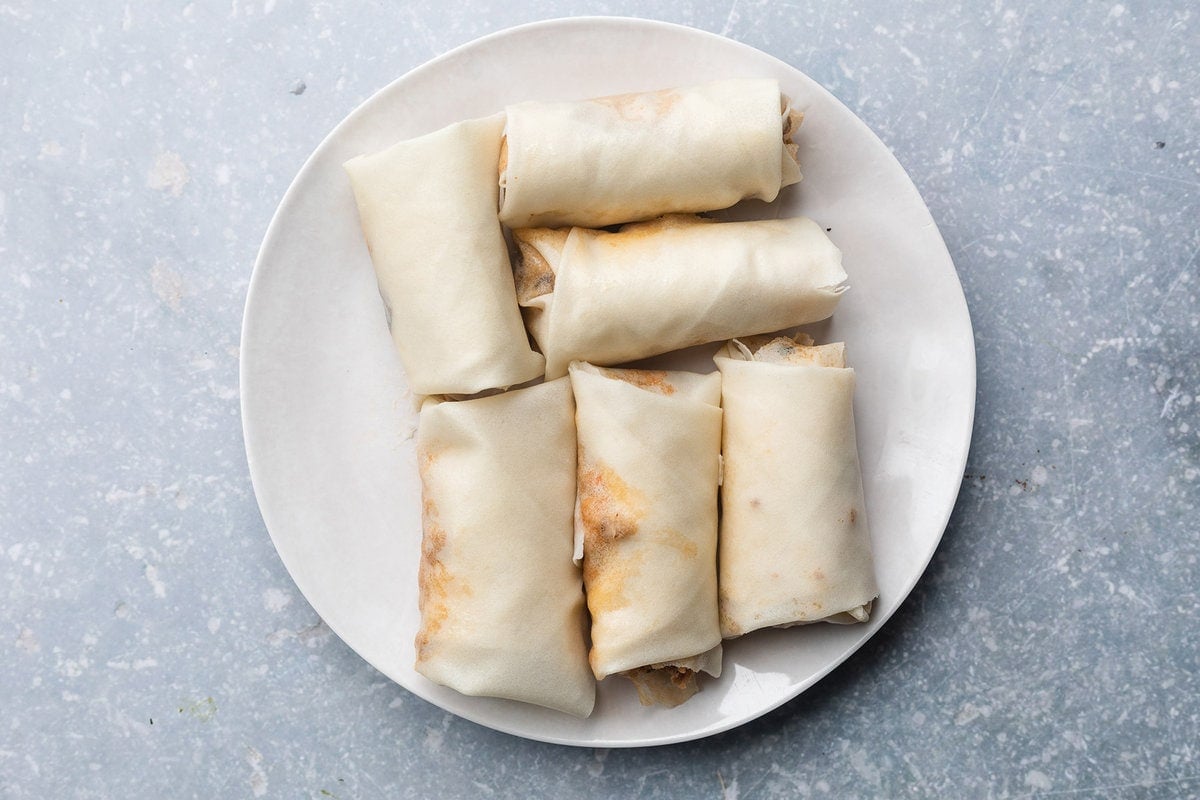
{"x": 791, "y": 123}
{"x": 792, "y": 119}
{"x": 800, "y": 350}
{"x": 666, "y": 686}
{"x": 533, "y": 274}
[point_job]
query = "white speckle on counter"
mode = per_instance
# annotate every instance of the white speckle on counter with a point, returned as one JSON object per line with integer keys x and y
{"x": 169, "y": 174}
{"x": 71, "y": 667}
{"x": 258, "y": 777}
{"x": 167, "y": 285}
{"x": 1036, "y": 779}
{"x": 971, "y": 712}
{"x": 276, "y": 600}
{"x": 139, "y": 664}
{"x": 860, "y": 761}
{"x": 27, "y": 642}
{"x": 151, "y": 573}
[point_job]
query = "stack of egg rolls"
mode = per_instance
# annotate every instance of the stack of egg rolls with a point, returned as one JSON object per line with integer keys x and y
{"x": 620, "y": 468}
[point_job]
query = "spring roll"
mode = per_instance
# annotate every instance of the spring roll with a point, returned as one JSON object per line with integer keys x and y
{"x": 646, "y": 518}
{"x": 428, "y": 212}
{"x": 670, "y": 283}
{"x": 636, "y": 156}
{"x": 795, "y": 546}
{"x": 501, "y": 599}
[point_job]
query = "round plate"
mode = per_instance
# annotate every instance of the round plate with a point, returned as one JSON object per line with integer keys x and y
{"x": 329, "y": 421}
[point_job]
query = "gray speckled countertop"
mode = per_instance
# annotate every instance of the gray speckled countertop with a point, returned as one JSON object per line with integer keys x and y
{"x": 151, "y": 642}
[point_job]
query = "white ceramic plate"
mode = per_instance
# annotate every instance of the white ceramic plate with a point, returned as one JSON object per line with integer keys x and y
{"x": 329, "y": 422}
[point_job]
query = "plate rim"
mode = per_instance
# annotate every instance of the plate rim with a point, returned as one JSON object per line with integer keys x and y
{"x": 257, "y": 479}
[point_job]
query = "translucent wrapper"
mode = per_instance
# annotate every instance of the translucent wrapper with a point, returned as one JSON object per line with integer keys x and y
{"x": 649, "y": 444}
{"x": 428, "y": 212}
{"x": 502, "y": 609}
{"x": 634, "y": 156}
{"x": 670, "y": 283}
{"x": 795, "y": 546}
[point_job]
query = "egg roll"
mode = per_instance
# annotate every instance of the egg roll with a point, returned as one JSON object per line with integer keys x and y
{"x": 635, "y": 156}
{"x": 795, "y": 545}
{"x": 670, "y": 283}
{"x": 501, "y": 599}
{"x": 428, "y": 213}
{"x": 646, "y": 518}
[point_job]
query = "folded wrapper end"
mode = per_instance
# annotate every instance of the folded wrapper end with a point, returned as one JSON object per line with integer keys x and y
{"x": 502, "y": 163}
{"x": 672, "y": 683}
{"x": 797, "y": 350}
{"x": 502, "y": 167}
{"x": 579, "y": 535}
{"x": 668, "y": 687}
{"x": 839, "y": 288}
{"x": 853, "y": 616}
{"x": 419, "y": 400}
{"x": 790, "y": 158}
{"x": 740, "y": 349}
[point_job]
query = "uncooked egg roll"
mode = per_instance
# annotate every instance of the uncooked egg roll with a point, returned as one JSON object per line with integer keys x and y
{"x": 428, "y": 212}
{"x": 635, "y": 156}
{"x": 649, "y": 445}
{"x": 501, "y": 600}
{"x": 670, "y": 283}
{"x": 795, "y": 546}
